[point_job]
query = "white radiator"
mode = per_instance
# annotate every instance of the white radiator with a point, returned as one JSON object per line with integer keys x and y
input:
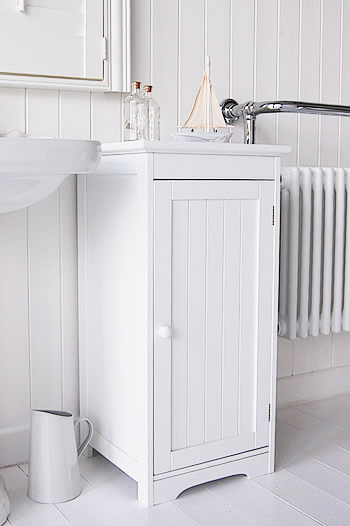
{"x": 315, "y": 252}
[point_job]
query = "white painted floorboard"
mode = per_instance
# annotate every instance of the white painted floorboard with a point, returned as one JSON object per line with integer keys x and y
{"x": 311, "y": 484}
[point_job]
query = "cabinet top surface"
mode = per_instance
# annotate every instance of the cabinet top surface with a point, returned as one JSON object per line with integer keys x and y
{"x": 128, "y": 147}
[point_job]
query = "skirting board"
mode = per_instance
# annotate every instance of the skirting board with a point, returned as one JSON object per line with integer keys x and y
{"x": 14, "y": 445}
{"x": 313, "y": 386}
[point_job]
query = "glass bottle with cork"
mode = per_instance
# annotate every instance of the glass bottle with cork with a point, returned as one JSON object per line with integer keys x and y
{"x": 131, "y": 112}
{"x": 148, "y": 116}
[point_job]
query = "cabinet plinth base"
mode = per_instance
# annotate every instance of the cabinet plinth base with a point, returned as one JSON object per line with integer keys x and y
{"x": 170, "y": 487}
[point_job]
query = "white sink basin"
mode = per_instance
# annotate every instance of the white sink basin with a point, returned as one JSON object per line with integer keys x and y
{"x": 32, "y": 168}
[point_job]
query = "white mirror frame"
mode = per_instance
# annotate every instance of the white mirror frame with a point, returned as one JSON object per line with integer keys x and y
{"x": 117, "y": 64}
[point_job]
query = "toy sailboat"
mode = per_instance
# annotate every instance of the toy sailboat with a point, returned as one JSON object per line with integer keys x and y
{"x": 205, "y": 117}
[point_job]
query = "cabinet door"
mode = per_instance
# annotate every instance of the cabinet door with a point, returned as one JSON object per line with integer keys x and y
{"x": 52, "y": 38}
{"x": 214, "y": 281}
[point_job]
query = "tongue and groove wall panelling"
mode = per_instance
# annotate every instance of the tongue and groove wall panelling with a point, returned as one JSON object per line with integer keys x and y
{"x": 106, "y": 116}
{"x": 218, "y": 45}
{"x": 309, "y": 80}
{"x": 330, "y": 79}
{"x": 69, "y": 296}
{"x": 44, "y": 269}
{"x": 165, "y": 62}
{"x": 14, "y": 348}
{"x": 321, "y": 356}
{"x": 287, "y": 125}
{"x": 192, "y": 52}
{"x": 52, "y": 268}
{"x": 266, "y": 19}
{"x": 310, "y": 89}
{"x": 242, "y": 56}
{"x": 141, "y": 16}
{"x": 75, "y": 120}
{"x": 344, "y": 150}
{"x": 284, "y": 358}
{"x": 45, "y": 303}
{"x": 12, "y": 110}
{"x": 302, "y": 356}
{"x": 288, "y": 75}
{"x": 340, "y": 349}
{"x": 259, "y": 50}
{"x": 312, "y": 354}
{"x": 42, "y": 113}
{"x": 74, "y": 123}
{"x": 14, "y": 351}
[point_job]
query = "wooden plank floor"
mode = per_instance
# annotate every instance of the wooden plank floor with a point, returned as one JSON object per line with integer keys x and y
{"x": 311, "y": 484}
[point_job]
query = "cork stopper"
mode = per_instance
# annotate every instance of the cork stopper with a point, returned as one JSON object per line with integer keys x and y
{"x": 148, "y": 88}
{"x": 136, "y": 84}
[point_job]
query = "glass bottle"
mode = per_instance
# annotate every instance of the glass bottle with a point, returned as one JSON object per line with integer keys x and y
{"x": 130, "y": 112}
{"x": 148, "y": 116}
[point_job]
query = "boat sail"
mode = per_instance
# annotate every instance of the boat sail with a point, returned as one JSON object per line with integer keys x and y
{"x": 205, "y": 116}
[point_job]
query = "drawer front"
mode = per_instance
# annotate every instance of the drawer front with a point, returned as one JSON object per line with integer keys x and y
{"x": 174, "y": 166}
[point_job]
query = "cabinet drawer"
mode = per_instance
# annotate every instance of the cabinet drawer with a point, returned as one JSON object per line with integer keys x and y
{"x": 192, "y": 166}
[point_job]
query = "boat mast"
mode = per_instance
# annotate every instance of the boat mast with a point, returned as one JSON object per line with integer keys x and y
{"x": 207, "y": 69}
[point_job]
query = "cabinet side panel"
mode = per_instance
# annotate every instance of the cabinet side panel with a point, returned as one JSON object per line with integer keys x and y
{"x": 267, "y": 319}
{"x": 112, "y": 346}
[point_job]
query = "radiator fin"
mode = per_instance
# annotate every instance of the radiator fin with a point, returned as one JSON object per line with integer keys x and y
{"x": 315, "y": 252}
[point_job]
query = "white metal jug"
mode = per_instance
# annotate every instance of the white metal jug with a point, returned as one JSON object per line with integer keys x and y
{"x": 54, "y": 474}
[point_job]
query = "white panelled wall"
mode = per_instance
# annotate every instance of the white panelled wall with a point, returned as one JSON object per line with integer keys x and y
{"x": 38, "y": 268}
{"x": 260, "y": 49}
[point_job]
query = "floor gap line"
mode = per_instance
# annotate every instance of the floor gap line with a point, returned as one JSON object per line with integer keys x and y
{"x": 173, "y": 504}
{"x": 316, "y": 487}
{"x": 328, "y": 465}
{"x": 293, "y": 425}
{"x": 64, "y": 515}
{"x": 108, "y": 499}
{"x": 324, "y": 420}
{"x": 288, "y": 503}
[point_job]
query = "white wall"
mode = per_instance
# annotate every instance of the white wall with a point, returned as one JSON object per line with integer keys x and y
{"x": 260, "y": 49}
{"x": 38, "y": 268}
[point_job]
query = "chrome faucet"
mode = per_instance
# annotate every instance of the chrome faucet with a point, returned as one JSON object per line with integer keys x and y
{"x": 232, "y": 111}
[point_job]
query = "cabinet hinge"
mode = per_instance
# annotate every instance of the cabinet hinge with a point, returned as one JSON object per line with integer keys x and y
{"x": 273, "y": 216}
{"x": 269, "y": 412}
{"x": 104, "y": 48}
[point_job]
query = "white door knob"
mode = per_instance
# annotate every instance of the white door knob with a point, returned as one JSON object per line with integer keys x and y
{"x": 165, "y": 331}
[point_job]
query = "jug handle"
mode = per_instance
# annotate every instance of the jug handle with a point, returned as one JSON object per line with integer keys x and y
{"x": 86, "y": 442}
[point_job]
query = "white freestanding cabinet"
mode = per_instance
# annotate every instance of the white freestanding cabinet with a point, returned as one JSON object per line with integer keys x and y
{"x": 178, "y": 272}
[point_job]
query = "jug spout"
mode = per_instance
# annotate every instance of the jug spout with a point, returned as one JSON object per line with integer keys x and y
{"x": 53, "y": 457}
